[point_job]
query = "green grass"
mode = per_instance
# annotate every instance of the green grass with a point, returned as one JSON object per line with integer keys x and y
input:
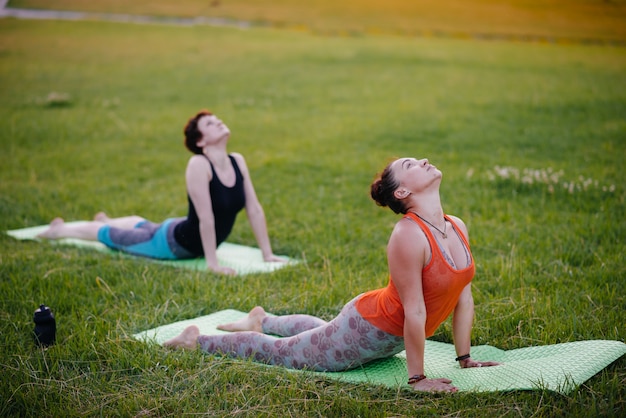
{"x": 316, "y": 118}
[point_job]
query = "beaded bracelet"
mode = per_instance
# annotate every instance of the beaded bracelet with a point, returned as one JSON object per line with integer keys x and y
{"x": 463, "y": 357}
{"x": 416, "y": 378}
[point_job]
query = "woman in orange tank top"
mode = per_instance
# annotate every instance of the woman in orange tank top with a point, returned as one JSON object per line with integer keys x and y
{"x": 430, "y": 268}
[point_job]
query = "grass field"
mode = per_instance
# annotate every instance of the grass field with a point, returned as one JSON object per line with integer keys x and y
{"x": 531, "y": 138}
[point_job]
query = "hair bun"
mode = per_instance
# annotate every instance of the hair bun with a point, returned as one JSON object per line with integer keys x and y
{"x": 382, "y": 191}
{"x": 376, "y": 193}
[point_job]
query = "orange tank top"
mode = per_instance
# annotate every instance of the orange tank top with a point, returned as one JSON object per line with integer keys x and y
{"x": 441, "y": 283}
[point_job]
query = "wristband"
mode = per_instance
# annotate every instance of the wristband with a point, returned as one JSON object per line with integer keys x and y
{"x": 463, "y": 357}
{"x": 416, "y": 378}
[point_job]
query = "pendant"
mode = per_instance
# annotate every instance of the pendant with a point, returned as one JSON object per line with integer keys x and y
{"x": 445, "y": 236}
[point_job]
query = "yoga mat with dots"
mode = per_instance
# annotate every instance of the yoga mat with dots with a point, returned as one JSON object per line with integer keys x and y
{"x": 559, "y": 367}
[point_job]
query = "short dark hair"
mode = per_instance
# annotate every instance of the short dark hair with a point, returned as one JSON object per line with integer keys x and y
{"x": 192, "y": 134}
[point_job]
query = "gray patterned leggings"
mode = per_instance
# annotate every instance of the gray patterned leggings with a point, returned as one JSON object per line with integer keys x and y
{"x": 308, "y": 342}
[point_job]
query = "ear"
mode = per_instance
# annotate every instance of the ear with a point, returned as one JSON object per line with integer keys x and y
{"x": 401, "y": 194}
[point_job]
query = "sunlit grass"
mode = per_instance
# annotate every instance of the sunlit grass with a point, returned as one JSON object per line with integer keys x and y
{"x": 543, "y": 21}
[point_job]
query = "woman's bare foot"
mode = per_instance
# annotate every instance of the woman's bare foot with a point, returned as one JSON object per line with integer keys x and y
{"x": 101, "y": 217}
{"x": 53, "y": 231}
{"x": 187, "y": 339}
{"x": 252, "y": 322}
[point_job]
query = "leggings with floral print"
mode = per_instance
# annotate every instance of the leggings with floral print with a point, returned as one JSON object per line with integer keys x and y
{"x": 308, "y": 342}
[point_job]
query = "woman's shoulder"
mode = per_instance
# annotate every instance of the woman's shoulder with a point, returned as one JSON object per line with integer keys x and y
{"x": 238, "y": 157}
{"x": 240, "y": 161}
{"x": 198, "y": 160}
{"x": 199, "y": 167}
{"x": 408, "y": 246}
{"x": 458, "y": 221}
{"x": 407, "y": 233}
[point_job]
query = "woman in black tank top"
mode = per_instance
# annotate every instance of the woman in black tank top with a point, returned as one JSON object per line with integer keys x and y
{"x": 218, "y": 188}
{"x": 226, "y": 203}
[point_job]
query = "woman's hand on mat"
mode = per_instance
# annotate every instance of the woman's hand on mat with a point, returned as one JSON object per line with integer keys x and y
{"x": 434, "y": 385}
{"x": 469, "y": 363}
{"x": 223, "y": 270}
{"x": 274, "y": 258}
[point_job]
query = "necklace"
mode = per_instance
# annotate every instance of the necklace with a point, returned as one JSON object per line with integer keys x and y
{"x": 443, "y": 233}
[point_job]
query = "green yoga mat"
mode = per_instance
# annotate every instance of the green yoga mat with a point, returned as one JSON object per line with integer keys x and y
{"x": 241, "y": 258}
{"x": 560, "y": 367}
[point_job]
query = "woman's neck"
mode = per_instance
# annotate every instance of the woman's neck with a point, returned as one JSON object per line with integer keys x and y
{"x": 428, "y": 207}
{"x": 218, "y": 155}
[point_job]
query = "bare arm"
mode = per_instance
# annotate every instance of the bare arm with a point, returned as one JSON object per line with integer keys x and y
{"x": 198, "y": 176}
{"x": 462, "y": 329}
{"x": 463, "y": 319}
{"x": 408, "y": 252}
{"x": 255, "y": 213}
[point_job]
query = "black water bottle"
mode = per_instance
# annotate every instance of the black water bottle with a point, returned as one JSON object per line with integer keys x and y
{"x": 45, "y": 326}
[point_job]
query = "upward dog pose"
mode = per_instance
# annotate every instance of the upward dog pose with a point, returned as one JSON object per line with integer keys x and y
{"x": 431, "y": 269}
{"x": 218, "y": 187}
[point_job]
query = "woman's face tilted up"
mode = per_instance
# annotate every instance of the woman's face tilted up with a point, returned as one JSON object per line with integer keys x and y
{"x": 415, "y": 175}
{"x": 212, "y": 129}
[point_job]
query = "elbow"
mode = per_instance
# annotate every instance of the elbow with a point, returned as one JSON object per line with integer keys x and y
{"x": 415, "y": 319}
{"x": 466, "y": 302}
{"x": 207, "y": 225}
{"x": 255, "y": 211}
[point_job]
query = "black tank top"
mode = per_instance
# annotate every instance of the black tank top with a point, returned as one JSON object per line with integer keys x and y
{"x": 226, "y": 203}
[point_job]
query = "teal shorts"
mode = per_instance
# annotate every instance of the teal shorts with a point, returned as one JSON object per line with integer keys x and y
{"x": 146, "y": 239}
